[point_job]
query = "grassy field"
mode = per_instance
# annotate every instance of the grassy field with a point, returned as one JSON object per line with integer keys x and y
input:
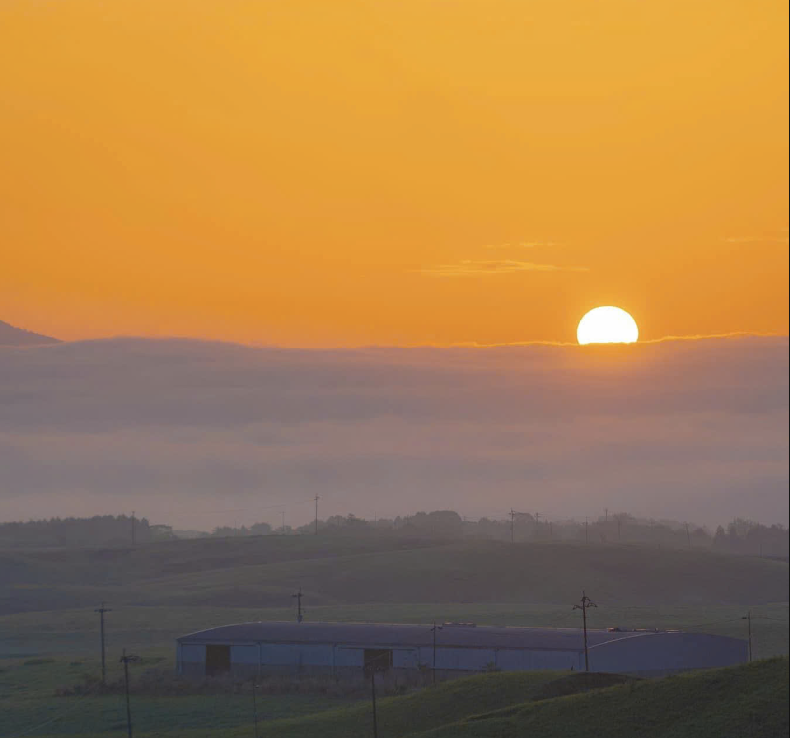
{"x": 262, "y": 572}
{"x": 748, "y": 701}
{"x": 75, "y": 633}
{"x": 41, "y": 653}
{"x": 49, "y": 640}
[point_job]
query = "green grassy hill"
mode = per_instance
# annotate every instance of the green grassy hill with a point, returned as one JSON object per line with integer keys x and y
{"x": 423, "y": 710}
{"x": 748, "y": 701}
{"x": 263, "y": 572}
{"x": 49, "y": 631}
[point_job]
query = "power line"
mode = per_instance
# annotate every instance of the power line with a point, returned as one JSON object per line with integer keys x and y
{"x": 71, "y": 709}
{"x": 715, "y": 622}
{"x": 252, "y": 509}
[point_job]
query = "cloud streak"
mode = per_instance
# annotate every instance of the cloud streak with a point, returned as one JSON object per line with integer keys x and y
{"x": 493, "y": 267}
{"x": 522, "y": 245}
{"x": 779, "y": 236}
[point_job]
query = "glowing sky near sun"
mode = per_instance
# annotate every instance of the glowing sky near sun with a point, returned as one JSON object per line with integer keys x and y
{"x": 393, "y": 172}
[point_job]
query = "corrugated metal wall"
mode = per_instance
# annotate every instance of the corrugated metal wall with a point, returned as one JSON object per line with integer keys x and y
{"x": 658, "y": 653}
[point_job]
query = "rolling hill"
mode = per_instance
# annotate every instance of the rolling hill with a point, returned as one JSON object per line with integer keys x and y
{"x": 12, "y": 336}
{"x": 748, "y": 701}
{"x": 263, "y": 571}
{"x": 738, "y": 702}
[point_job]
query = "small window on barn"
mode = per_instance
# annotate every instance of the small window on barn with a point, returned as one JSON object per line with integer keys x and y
{"x": 217, "y": 660}
{"x": 377, "y": 659}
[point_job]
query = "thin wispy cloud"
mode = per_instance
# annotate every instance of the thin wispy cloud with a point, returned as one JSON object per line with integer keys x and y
{"x": 779, "y": 236}
{"x": 521, "y": 245}
{"x": 491, "y": 267}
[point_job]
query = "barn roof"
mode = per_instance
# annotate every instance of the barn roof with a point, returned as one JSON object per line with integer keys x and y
{"x": 386, "y": 634}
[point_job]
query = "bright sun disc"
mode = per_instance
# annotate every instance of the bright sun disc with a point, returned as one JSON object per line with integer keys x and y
{"x": 607, "y": 325}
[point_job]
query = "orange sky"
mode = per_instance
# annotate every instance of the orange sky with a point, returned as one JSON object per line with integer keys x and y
{"x": 307, "y": 172}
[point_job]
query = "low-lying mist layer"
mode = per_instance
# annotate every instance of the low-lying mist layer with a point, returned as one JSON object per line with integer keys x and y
{"x": 198, "y": 434}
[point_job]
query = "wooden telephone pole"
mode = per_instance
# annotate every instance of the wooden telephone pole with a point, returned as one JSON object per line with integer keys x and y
{"x": 125, "y": 660}
{"x": 101, "y": 610}
{"x": 748, "y": 618}
{"x": 585, "y": 603}
{"x": 298, "y": 596}
{"x": 433, "y": 670}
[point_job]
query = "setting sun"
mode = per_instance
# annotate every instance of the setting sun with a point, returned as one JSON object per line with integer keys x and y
{"x": 607, "y": 325}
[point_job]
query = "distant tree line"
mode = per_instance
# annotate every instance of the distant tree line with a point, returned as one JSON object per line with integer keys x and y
{"x": 742, "y": 536}
{"x": 256, "y": 529}
{"x": 750, "y": 538}
{"x": 100, "y": 530}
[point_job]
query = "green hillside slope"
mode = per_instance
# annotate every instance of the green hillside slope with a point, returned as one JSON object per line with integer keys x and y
{"x": 749, "y": 701}
{"x": 262, "y": 572}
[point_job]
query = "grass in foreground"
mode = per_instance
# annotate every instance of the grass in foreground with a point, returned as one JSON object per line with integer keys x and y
{"x": 748, "y": 701}
{"x": 397, "y": 716}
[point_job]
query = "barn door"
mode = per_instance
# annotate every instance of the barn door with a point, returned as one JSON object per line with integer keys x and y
{"x": 377, "y": 659}
{"x": 217, "y": 660}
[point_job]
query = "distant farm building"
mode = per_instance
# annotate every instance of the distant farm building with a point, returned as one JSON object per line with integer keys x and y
{"x": 354, "y": 648}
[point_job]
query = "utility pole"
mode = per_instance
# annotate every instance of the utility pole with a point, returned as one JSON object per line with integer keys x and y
{"x": 373, "y": 697}
{"x": 586, "y": 538}
{"x": 748, "y": 618}
{"x": 537, "y": 525}
{"x": 133, "y": 531}
{"x": 298, "y": 597}
{"x": 512, "y": 525}
{"x": 282, "y": 516}
{"x": 373, "y": 666}
{"x": 254, "y": 709}
{"x": 688, "y": 535}
{"x": 619, "y": 521}
{"x": 126, "y": 659}
{"x": 551, "y": 530}
{"x": 586, "y": 603}
{"x": 606, "y": 514}
{"x": 434, "y": 629}
{"x": 316, "y": 513}
{"x": 101, "y": 610}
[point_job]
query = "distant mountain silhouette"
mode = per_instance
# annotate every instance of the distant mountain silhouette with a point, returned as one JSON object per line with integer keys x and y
{"x": 12, "y": 336}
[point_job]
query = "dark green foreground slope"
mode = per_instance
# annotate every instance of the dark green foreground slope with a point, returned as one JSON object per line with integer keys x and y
{"x": 741, "y": 702}
{"x": 748, "y": 701}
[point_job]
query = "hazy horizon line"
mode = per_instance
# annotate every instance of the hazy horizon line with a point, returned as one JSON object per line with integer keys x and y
{"x": 352, "y": 347}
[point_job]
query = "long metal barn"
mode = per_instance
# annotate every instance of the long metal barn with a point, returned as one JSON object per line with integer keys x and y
{"x": 352, "y": 648}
